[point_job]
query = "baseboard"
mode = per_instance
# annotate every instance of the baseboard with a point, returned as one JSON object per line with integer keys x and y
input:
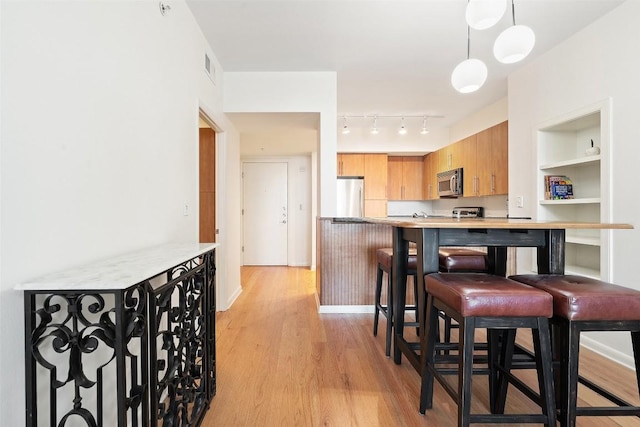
{"x": 231, "y": 299}
{"x": 606, "y": 351}
{"x": 345, "y": 309}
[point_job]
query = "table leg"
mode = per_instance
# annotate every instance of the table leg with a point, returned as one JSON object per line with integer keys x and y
{"x": 497, "y": 256}
{"x": 399, "y": 288}
{"x": 551, "y": 256}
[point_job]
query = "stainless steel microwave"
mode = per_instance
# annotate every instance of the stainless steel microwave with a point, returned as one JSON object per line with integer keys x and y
{"x": 450, "y": 183}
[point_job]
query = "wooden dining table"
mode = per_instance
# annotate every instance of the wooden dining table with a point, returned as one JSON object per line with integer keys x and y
{"x": 496, "y": 234}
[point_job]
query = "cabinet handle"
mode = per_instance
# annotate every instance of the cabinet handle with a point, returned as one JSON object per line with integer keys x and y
{"x": 493, "y": 183}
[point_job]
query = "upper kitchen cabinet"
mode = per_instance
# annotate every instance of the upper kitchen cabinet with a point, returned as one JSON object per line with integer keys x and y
{"x": 375, "y": 185}
{"x": 375, "y": 176}
{"x": 564, "y": 150}
{"x": 405, "y": 181}
{"x": 429, "y": 175}
{"x": 469, "y": 164}
{"x": 450, "y": 157}
{"x": 486, "y": 162}
{"x": 350, "y": 164}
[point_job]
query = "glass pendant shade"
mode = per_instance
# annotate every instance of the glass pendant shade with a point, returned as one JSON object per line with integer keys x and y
{"x": 514, "y": 44}
{"x": 469, "y": 75}
{"x": 483, "y": 14}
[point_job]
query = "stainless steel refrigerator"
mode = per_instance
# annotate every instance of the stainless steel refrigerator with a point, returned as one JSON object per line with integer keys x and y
{"x": 350, "y": 196}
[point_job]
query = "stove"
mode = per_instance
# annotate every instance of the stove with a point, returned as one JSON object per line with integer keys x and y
{"x": 467, "y": 212}
{"x": 459, "y": 212}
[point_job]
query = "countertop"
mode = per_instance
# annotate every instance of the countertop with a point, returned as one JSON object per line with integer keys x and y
{"x": 121, "y": 271}
{"x": 504, "y": 223}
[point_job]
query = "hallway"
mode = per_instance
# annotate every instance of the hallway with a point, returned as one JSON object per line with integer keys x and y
{"x": 280, "y": 363}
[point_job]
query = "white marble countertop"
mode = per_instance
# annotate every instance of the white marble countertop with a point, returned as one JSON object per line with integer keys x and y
{"x": 118, "y": 272}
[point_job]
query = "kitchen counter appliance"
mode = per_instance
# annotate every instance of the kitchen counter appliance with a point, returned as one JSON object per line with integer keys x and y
{"x": 457, "y": 212}
{"x": 450, "y": 183}
{"x": 350, "y": 193}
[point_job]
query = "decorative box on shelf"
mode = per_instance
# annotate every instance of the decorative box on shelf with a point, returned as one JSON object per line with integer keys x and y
{"x": 558, "y": 187}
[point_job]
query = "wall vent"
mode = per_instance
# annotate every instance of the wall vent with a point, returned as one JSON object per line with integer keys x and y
{"x": 209, "y": 68}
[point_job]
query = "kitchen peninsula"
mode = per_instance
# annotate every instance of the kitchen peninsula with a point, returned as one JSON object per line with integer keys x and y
{"x": 497, "y": 234}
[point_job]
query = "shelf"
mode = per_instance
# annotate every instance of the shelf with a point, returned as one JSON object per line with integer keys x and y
{"x": 583, "y": 240}
{"x": 572, "y": 162}
{"x": 582, "y": 271}
{"x": 582, "y": 201}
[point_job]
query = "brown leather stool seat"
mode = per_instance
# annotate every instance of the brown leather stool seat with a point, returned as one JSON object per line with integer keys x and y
{"x": 459, "y": 260}
{"x": 385, "y": 262}
{"x": 462, "y": 260}
{"x": 585, "y": 304}
{"x": 501, "y": 305}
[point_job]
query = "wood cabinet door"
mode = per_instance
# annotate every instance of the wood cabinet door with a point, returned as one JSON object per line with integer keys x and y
{"x": 375, "y": 208}
{"x": 394, "y": 178}
{"x": 350, "y": 164}
{"x": 484, "y": 167}
{"x": 375, "y": 177}
{"x": 429, "y": 175}
{"x": 500, "y": 158}
{"x": 412, "y": 177}
{"x": 467, "y": 161}
{"x": 444, "y": 159}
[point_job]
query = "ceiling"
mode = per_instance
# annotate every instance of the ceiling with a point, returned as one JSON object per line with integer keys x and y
{"x": 392, "y": 58}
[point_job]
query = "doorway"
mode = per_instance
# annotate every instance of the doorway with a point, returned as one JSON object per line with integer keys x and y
{"x": 207, "y": 180}
{"x": 265, "y": 216}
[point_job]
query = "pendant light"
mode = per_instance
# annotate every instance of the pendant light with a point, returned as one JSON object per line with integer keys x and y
{"x": 470, "y": 74}
{"x": 514, "y": 43}
{"x": 483, "y": 14}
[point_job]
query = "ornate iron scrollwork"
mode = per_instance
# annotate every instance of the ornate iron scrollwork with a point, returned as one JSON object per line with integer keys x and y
{"x": 78, "y": 326}
{"x": 180, "y": 310}
{"x": 134, "y": 357}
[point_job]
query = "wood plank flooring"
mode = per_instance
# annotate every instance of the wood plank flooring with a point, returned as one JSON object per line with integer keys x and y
{"x": 280, "y": 363}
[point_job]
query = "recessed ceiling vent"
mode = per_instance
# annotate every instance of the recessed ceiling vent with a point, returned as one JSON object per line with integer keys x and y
{"x": 209, "y": 68}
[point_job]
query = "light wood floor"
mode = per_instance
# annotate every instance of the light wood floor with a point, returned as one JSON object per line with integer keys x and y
{"x": 280, "y": 363}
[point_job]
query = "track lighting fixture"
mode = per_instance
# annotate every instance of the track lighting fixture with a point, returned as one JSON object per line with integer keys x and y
{"x": 402, "y": 130}
{"x": 383, "y": 124}
{"x": 345, "y": 128}
{"x": 374, "y": 129}
{"x": 424, "y": 129}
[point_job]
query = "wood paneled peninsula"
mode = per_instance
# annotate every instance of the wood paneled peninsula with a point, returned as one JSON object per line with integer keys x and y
{"x": 346, "y": 261}
{"x": 346, "y": 251}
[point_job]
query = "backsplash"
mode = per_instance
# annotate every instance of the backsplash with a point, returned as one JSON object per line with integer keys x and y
{"x": 494, "y": 206}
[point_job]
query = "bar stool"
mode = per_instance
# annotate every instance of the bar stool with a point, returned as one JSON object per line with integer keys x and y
{"x": 385, "y": 261}
{"x": 496, "y": 303}
{"x": 462, "y": 260}
{"x": 459, "y": 260}
{"x": 583, "y": 304}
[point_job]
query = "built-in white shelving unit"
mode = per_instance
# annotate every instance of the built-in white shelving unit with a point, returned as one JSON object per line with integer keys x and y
{"x": 562, "y": 144}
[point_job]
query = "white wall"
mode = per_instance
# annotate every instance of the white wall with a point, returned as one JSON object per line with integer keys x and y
{"x": 284, "y": 92}
{"x": 99, "y": 147}
{"x": 599, "y": 62}
{"x": 488, "y": 116}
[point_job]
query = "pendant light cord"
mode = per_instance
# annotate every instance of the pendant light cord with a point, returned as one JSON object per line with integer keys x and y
{"x": 513, "y": 13}
{"x": 468, "y": 42}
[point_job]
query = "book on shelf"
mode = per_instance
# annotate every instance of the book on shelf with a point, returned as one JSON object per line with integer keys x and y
{"x": 557, "y": 187}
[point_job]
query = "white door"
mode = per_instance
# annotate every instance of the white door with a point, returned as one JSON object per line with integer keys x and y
{"x": 265, "y": 215}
